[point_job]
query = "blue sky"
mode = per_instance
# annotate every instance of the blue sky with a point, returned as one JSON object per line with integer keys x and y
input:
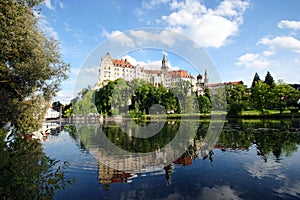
{"x": 240, "y": 37}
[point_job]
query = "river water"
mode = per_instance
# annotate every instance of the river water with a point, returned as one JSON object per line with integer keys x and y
{"x": 252, "y": 159}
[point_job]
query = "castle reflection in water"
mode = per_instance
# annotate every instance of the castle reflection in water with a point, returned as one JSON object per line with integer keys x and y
{"x": 108, "y": 175}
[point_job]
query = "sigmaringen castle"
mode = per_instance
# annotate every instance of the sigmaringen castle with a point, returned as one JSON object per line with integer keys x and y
{"x": 111, "y": 69}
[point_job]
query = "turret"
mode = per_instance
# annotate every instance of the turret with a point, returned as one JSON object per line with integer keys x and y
{"x": 199, "y": 78}
{"x": 164, "y": 63}
{"x": 205, "y": 78}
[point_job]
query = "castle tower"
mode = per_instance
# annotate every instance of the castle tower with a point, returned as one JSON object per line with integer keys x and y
{"x": 205, "y": 79}
{"x": 199, "y": 79}
{"x": 164, "y": 70}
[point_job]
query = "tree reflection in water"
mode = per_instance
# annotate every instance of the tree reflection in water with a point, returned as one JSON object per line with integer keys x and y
{"x": 26, "y": 172}
{"x": 276, "y": 137}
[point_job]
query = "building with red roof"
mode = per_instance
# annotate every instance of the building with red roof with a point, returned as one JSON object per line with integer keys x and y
{"x": 111, "y": 69}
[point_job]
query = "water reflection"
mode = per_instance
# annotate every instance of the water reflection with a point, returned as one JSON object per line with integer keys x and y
{"x": 252, "y": 159}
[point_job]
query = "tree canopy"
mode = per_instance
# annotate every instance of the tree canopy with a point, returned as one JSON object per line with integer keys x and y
{"x": 269, "y": 80}
{"x": 31, "y": 67}
{"x": 255, "y": 79}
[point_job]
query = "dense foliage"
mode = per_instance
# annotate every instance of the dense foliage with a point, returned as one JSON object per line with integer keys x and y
{"x": 115, "y": 97}
{"x": 31, "y": 68}
{"x": 26, "y": 172}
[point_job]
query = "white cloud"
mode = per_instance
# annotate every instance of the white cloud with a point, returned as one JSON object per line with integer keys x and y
{"x": 45, "y": 26}
{"x": 254, "y": 61}
{"x": 296, "y": 60}
{"x": 130, "y": 59}
{"x": 166, "y": 37}
{"x": 48, "y": 4}
{"x": 61, "y": 5}
{"x": 223, "y": 192}
{"x": 118, "y": 36}
{"x": 268, "y": 53}
{"x": 282, "y": 42}
{"x": 295, "y": 25}
{"x": 289, "y": 188}
{"x": 150, "y": 4}
{"x": 208, "y": 27}
{"x": 260, "y": 169}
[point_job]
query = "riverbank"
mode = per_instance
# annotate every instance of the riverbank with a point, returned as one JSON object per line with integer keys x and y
{"x": 270, "y": 114}
{"x": 253, "y": 114}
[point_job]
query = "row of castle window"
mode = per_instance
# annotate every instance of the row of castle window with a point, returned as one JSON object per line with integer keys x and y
{"x": 117, "y": 69}
{"x": 107, "y": 74}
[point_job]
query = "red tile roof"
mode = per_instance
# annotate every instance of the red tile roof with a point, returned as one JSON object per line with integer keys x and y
{"x": 122, "y": 63}
{"x": 226, "y": 83}
{"x": 180, "y": 74}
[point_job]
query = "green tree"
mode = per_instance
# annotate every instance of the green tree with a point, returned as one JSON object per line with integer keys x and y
{"x": 68, "y": 110}
{"x": 204, "y": 104}
{"x": 31, "y": 67}
{"x": 218, "y": 100}
{"x": 237, "y": 99}
{"x": 269, "y": 80}
{"x": 187, "y": 100}
{"x": 259, "y": 97}
{"x": 255, "y": 80}
{"x": 103, "y": 98}
{"x": 26, "y": 171}
{"x": 86, "y": 105}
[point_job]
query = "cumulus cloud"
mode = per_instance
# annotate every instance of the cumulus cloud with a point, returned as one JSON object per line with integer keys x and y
{"x": 208, "y": 27}
{"x": 151, "y": 4}
{"x": 254, "y": 61}
{"x": 282, "y": 42}
{"x": 295, "y": 25}
{"x": 165, "y": 36}
{"x": 118, "y": 36}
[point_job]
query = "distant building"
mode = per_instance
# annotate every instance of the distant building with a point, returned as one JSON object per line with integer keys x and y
{"x": 52, "y": 114}
{"x": 216, "y": 86}
{"x": 111, "y": 69}
{"x": 200, "y": 86}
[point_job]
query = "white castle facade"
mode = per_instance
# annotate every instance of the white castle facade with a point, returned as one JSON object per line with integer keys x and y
{"x": 111, "y": 69}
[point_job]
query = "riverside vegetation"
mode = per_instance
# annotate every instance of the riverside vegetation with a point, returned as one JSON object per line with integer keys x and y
{"x": 31, "y": 72}
{"x": 263, "y": 98}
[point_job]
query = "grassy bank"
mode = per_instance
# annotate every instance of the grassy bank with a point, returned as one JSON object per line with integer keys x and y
{"x": 252, "y": 114}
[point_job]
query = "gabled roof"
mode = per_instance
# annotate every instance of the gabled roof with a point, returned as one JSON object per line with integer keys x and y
{"x": 180, "y": 74}
{"x": 122, "y": 63}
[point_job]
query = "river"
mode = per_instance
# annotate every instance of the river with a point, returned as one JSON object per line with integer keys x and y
{"x": 252, "y": 159}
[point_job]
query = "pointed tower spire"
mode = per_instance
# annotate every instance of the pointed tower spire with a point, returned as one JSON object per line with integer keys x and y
{"x": 205, "y": 78}
{"x": 164, "y": 62}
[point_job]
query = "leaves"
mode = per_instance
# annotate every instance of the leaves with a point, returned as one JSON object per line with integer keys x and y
{"x": 26, "y": 172}
{"x": 31, "y": 67}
